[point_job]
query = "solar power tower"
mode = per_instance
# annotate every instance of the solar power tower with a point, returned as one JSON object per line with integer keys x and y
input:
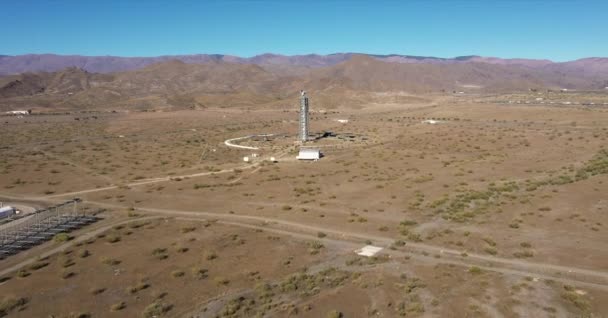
{"x": 303, "y": 117}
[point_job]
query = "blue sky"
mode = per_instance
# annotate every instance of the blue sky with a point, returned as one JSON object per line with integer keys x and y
{"x": 559, "y": 30}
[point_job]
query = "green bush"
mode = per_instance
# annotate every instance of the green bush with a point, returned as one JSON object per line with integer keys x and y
{"x": 334, "y": 314}
{"x": 177, "y": 273}
{"x": 61, "y": 237}
{"x": 156, "y": 309}
{"x": 113, "y": 238}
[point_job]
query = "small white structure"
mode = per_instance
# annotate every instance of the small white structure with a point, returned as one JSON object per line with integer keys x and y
{"x": 368, "y": 250}
{"x": 7, "y": 211}
{"x": 273, "y": 159}
{"x": 430, "y": 121}
{"x": 309, "y": 154}
{"x": 246, "y": 159}
{"x": 342, "y": 121}
{"x": 19, "y": 112}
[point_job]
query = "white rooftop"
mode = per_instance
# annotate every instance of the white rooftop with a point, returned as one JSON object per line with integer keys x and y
{"x": 430, "y": 121}
{"x": 368, "y": 250}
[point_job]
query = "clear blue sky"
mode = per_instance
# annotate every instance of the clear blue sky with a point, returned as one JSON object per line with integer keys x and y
{"x": 559, "y": 30}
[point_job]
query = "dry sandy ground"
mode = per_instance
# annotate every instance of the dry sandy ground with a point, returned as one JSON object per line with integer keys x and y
{"x": 519, "y": 183}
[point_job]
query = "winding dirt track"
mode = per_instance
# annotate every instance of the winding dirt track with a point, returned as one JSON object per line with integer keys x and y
{"x": 350, "y": 241}
{"x": 144, "y": 182}
{"x": 591, "y": 278}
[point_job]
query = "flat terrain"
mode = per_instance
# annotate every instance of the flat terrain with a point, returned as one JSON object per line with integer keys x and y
{"x": 497, "y": 210}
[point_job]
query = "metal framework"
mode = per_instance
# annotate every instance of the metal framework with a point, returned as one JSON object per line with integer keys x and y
{"x": 41, "y": 226}
{"x": 303, "y": 117}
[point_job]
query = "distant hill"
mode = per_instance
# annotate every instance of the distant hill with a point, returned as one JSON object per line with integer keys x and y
{"x": 273, "y": 80}
{"x": 363, "y": 72}
{"x": 69, "y": 80}
{"x": 281, "y": 64}
{"x": 167, "y": 84}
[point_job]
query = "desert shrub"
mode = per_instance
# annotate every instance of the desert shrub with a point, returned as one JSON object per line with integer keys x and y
{"x": 109, "y": 261}
{"x": 211, "y": 256}
{"x": 61, "y": 237}
{"x": 475, "y": 270}
{"x": 188, "y": 229}
{"x": 9, "y": 304}
{"x": 200, "y": 273}
{"x": 524, "y": 254}
{"x": 132, "y": 214}
{"x": 139, "y": 286}
{"x": 334, "y": 314}
{"x": 67, "y": 262}
{"x": 84, "y": 253}
{"x": 576, "y": 299}
{"x": 221, "y": 281}
{"x": 160, "y": 253}
{"x": 159, "y": 294}
{"x": 177, "y": 273}
{"x": 321, "y": 235}
{"x": 118, "y": 306}
{"x": 38, "y": 265}
{"x": 156, "y": 309}
{"x": 315, "y": 247}
{"x": 113, "y": 238}
{"x": 489, "y": 241}
{"x": 490, "y": 250}
{"x": 23, "y": 273}
{"x": 97, "y": 290}
{"x": 67, "y": 274}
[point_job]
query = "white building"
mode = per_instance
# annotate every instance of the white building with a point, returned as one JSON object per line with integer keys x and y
{"x": 19, "y": 112}
{"x": 309, "y": 154}
{"x": 7, "y": 211}
{"x": 430, "y": 121}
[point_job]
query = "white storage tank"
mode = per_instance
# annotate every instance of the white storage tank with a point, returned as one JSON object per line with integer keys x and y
{"x": 309, "y": 154}
{"x": 6, "y": 211}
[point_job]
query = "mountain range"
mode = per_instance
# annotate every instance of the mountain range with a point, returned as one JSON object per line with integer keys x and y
{"x": 197, "y": 81}
{"x": 107, "y": 64}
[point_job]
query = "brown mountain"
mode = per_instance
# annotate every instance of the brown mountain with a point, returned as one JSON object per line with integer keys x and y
{"x": 175, "y": 83}
{"x": 167, "y": 84}
{"x": 68, "y": 81}
{"x": 369, "y": 74}
{"x": 281, "y": 64}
